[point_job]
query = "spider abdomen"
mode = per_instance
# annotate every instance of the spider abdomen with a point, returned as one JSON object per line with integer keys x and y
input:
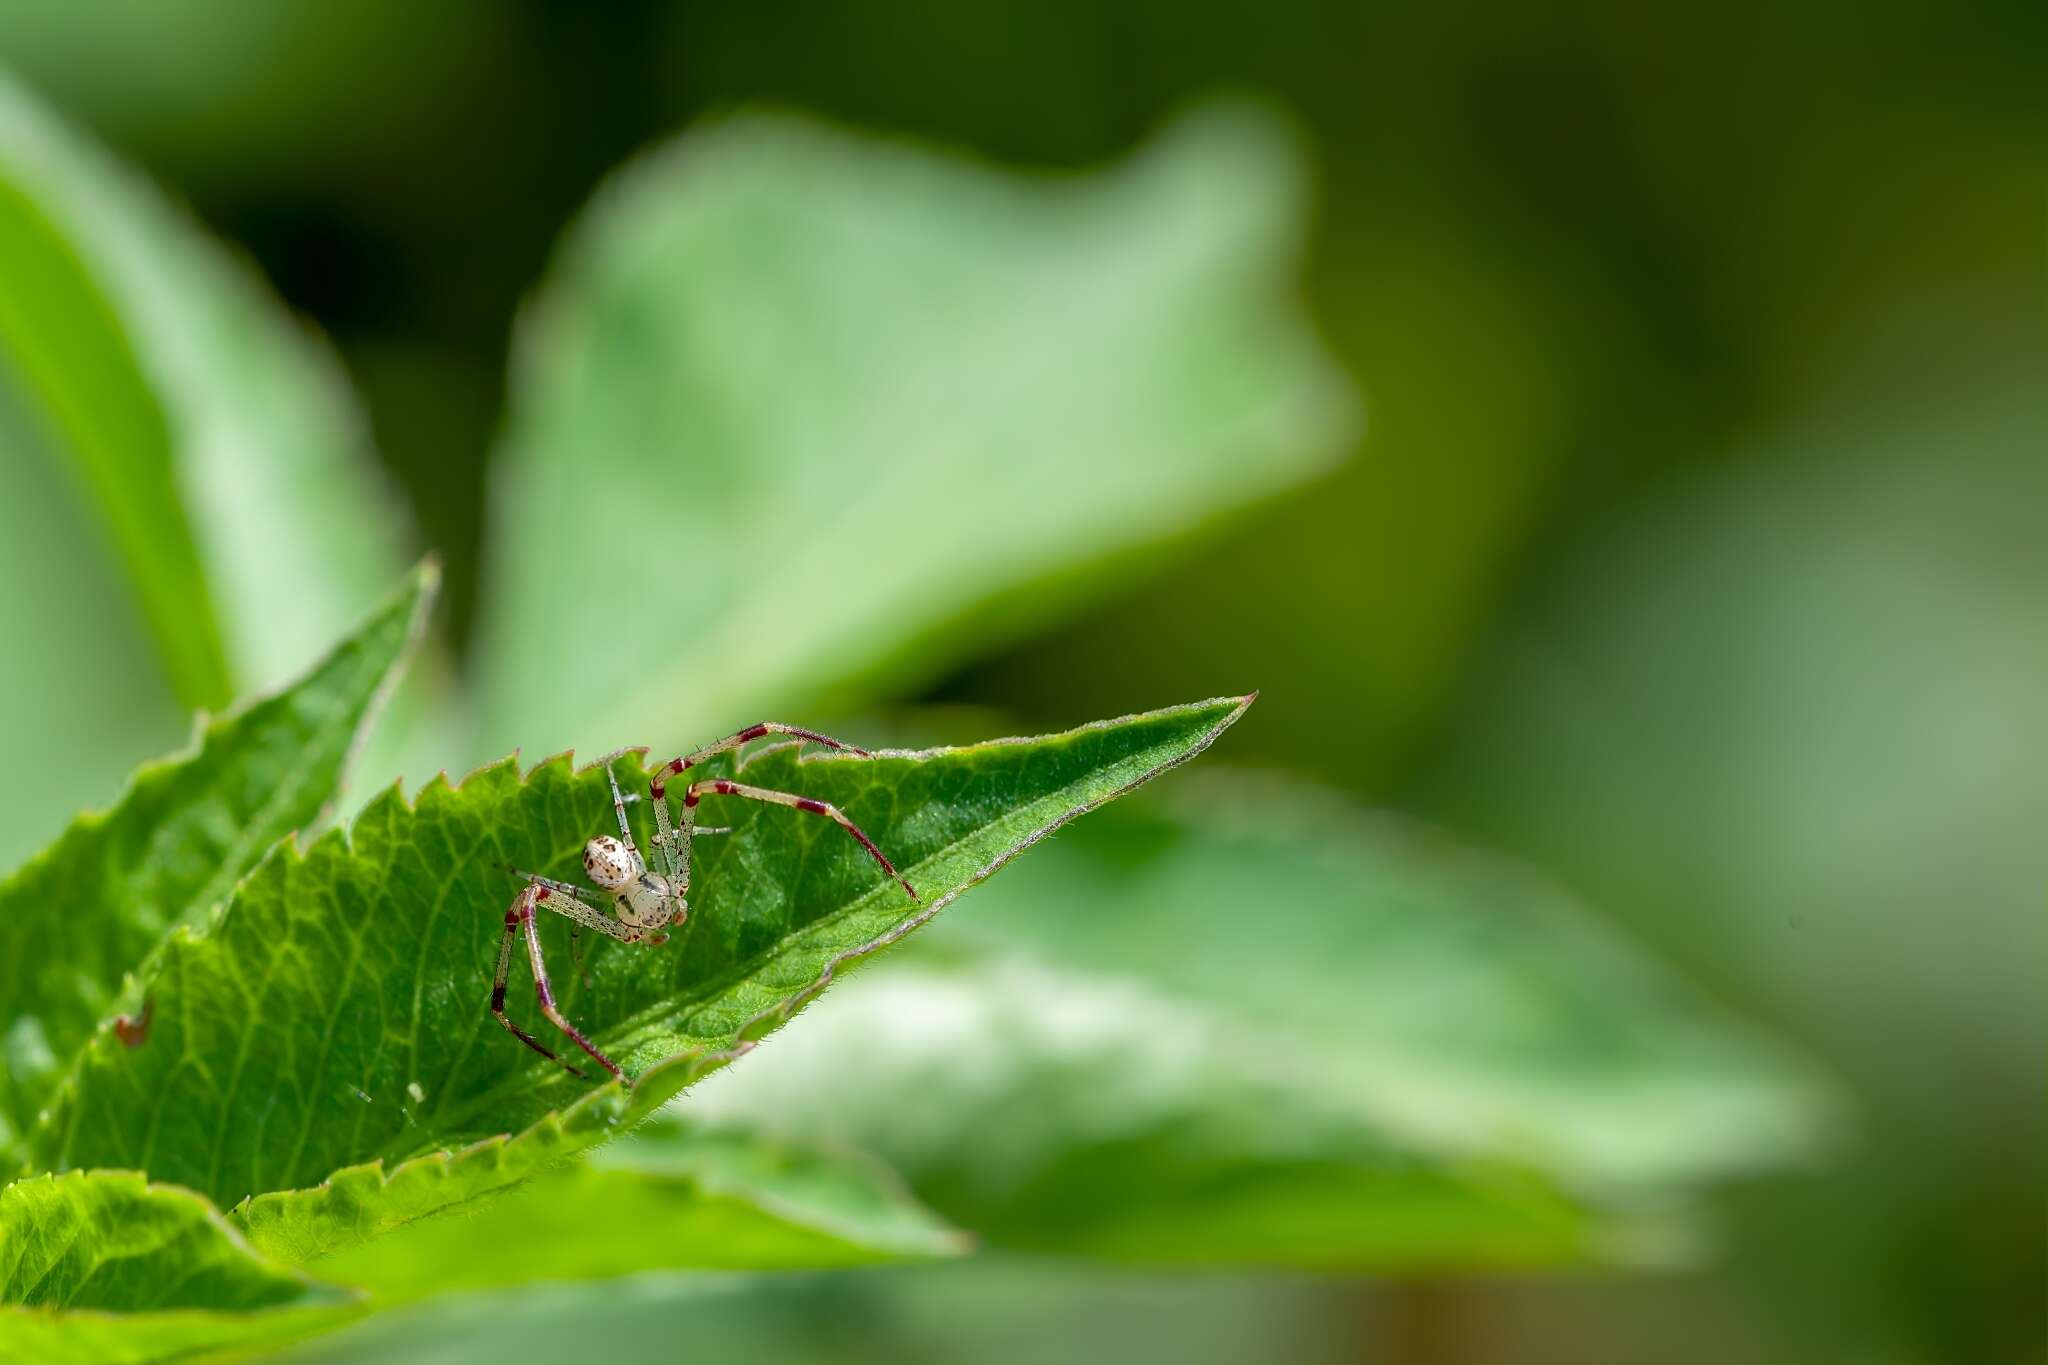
{"x": 610, "y": 863}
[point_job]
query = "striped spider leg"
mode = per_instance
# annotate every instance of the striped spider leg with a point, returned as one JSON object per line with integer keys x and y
{"x": 644, "y": 902}
{"x": 673, "y": 841}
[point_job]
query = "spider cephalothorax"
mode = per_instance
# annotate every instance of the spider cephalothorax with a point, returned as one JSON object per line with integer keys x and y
{"x": 643, "y": 903}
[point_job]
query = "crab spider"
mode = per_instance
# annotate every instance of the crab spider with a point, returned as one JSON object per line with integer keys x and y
{"x": 644, "y": 902}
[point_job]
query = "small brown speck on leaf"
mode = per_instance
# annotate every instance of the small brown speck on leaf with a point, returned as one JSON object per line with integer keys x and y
{"x": 134, "y": 1032}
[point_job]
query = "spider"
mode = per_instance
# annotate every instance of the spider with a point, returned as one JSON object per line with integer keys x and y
{"x": 643, "y": 903}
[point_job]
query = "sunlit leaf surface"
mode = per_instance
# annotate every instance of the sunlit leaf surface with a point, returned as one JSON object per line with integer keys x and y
{"x": 103, "y": 1266}
{"x": 662, "y": 1198}
{"x": 848, "y": 410}
{"x": 82, "y": 914}
{"x": 335, "y": 1013}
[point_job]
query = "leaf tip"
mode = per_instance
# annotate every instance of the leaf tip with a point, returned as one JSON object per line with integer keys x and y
{"x": 423, "y": 587}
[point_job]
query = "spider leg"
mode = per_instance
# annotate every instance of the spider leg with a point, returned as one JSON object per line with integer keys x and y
{"x": 563, "y": 899}
{"x": 674, "y": 766}
{"x": 546, "y": 993}
{"x": 721, "y": 787}
{"x": 619, "y": 805}
{"x": 520, "y": 913}
{"x": 567, "y": 901}
{"x": 567, "y": 889}
{"x": 673, "y": 841}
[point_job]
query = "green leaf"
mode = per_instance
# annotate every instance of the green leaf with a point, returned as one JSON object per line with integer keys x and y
{"x": 101, "y": 1265}
{"x": 68, "y": 350}
{"x": 110, "y": 1240}
{"x": 1053, "y": 1111}
{"x": 368, "y": 1200}
{"x": 335, "y": 1013}
{"x": 855, "y": 410}
{"x": 1253, "y": 1025}
{"x": 662, "y": 1198}
{"x": 1470, "y": 1005}
{"x": 83, "y": 705}
{"x": 216, "y": 438}
{"x": 784, "y": 1204}
{"x": 81, "y": 915}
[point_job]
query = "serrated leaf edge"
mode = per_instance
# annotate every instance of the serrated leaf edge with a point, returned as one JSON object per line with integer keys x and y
{"x": 423, "y": 583}
{"x": 612, "y": 1108}
{"x": 425, "y": 577}
{"x": 319, "y": 1293}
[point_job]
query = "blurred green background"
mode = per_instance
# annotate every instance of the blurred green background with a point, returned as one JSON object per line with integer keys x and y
{"x": 1690, "y": 548}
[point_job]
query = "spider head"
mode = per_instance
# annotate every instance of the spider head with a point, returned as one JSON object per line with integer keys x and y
{"x": 610, "y": 863}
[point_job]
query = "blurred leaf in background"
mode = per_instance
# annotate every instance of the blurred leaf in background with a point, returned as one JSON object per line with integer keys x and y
{"x": 180, "y": 423}
{"x": 83, "y": 705}
{"x": 1009, "y": 1311}
{"x": 1245, "y": 1024}
{"x": 1653, "y": 569}
{"x": 1830, "y": 797}
{"x": 663, "y": 1198}
{"x": 848, "y": 412}
{"x": 206, "y": 398}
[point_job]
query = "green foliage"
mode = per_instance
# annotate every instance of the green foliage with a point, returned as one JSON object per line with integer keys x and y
{"x": 320, "y": 1043}
{"x": 1855, "y": 850}
{"x": 1064, "y": 1113}
{"x": 66, "y": 347}
{"x": 104, "y": 1266}
{"x": 110, "y": 1240}
{"x": 1458, "y": 998}
{"x": 80, "y": 916}
{"x": 665, "y": 1197}
{"x": 1006, "y": 390}
{"x": 213, "y": 434}
{"x": 334, "y": 1014}
{"x": 1251, "y": 1025}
